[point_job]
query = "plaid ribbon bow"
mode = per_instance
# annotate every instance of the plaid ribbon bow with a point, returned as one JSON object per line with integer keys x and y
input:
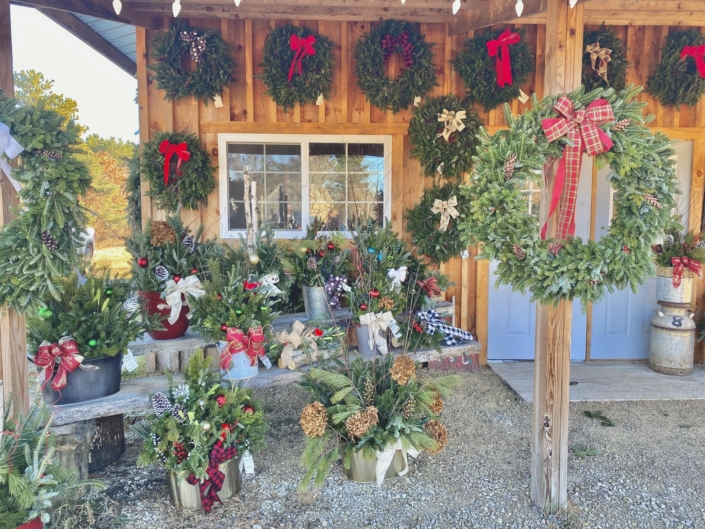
{"x": 255, "y": 346}
{"x": 581, "y": 129}
{"x": 302, "y": 47}
{"x": 434, "y": 321}
{"x": 599, "y": 54}
{"x": 169, "y": 149}
{"x": 697, "y": 53}
{"x": 69, "y": 360}
{"x": 389, "y": 45}
{"x": 210, "y": 487}
{"x": 236, "y": 343}
{"x": 680, "y": 264}
{"x": 499, "y": 48}
{"x": 198, "y": 44}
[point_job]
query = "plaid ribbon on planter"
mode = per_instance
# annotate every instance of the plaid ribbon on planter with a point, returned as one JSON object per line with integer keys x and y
{"x": 432, "y": 321}
{"x": 210, "y": 487}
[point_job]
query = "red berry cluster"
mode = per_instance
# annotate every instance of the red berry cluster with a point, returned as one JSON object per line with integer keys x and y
{"x": 180, "y": 452}
{"x": 220, "y": 399}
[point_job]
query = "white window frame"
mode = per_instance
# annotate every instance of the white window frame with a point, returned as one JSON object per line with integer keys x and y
{"x": 295, "y": 139}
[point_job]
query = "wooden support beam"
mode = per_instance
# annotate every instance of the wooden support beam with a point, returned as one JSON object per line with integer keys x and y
{"x": 499, "y": 12}
{"x": 102, "y": 10}
{"x": 76, "y": 27}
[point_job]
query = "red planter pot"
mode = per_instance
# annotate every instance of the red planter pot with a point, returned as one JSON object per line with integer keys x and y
{"x": 32, "y": 524}
{"x": 151, "y": 302}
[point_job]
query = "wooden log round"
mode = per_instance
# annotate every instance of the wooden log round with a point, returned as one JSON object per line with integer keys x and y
{"x": 108, "y": 442}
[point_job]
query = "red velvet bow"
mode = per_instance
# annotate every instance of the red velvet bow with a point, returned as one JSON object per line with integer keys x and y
{"x": 237, "y": 343}
{"x": 503, "y": 64}
{"x": 430, "y": 286}
{"x": 255, "y": 346}
{"x": 697, "y": 53}
{"x": 69, "y": 360}
{"x": 680, "y": 264}
{"x": 302, "y": 47}
{"x": 581, "y": 128}
{"x": 250, "y": 286}
{"x": 169, "y": 150}
{"x": 389, "y": 45}
{"x": 210, "y": 487}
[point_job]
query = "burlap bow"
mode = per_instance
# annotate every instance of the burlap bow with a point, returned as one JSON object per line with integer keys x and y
{"x": 499, "y": 48}
{"x": 189, "y": 286}
{"x": 398, "y": 276}
{"x": 377, "y": 324}
{"x": 698, "y": 54}
{"x": 66, "y": 351}
{"x": 169, "y": 149}
{"x": 599, "y": 57}
{"x": 452, "y": 121}
{"x": 384, "y": 459}
{"x": 447, "y": 210}
{"x": 680, "y": 264}
{"x": 293, "y": 340}
{"x": 12, "y": 149}
{"x": 210, "y": 486}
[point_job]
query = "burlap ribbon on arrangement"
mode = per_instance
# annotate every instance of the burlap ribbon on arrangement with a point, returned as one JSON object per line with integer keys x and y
{"x": 376, "y": 325}
{"x": 384, "y": 459}
{"x": 447, "y": 210}
{"x": 599, "y": 58}
{"x": 293, "y": 340}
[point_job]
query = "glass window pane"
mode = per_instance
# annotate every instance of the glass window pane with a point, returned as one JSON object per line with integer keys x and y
{"x": 241, "y": 155}
{"x": 236, "y": 186}
{"x": 328, "y": 187}
{"x": 283, "y": 216}
{"x": 361, "y": 214}
{"x": 365, "y": 187}
{"x": 366, "y": 157}
{"x": 283, "y": 158}
{"x": 326, "y": 157}
{"x": 331, "y": 215}
{"x": 236, "y": 215}
{"x": 283, "y": 187}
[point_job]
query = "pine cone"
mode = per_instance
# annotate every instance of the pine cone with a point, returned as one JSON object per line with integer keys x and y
{"x": 386, "y": 303}
{"x": 50, "y": 154}
{"x": 311, "y": 264}
{"x": 509, "y": 166}
{"x": 49, "y": 241}
{"x": 621, "y": 125}
{"x": 160, "y": 404}
{"x": 179, "y": 412}
{"x": 360, "y": 423}
{"x": 190, "y": 243}
{"x": 651, "y": 199}
{"x": 162, "y": 233}
{"x": 180, "y": 392}
{"x": 670, "y": 239}
{"x": 438, "y": 432}
{"x": 403, "y": 369}
{"x": 161, "y": 273}
{"x": 130, "y": 306}
{"x": 437, "y": 405}
{"x": 314, "y": 419}
{"x": 700, "y": 245}
{"x": 336, "y": 259}
{"x": 519, "y": 252}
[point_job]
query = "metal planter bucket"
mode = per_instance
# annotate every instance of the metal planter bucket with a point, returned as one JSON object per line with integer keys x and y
{"x": 87, "y": 384}
{"x": 186, "y": 496}
{"x": 362, "y": 469}
{"x": 665, "y": 291}
{"x": 316, "y": 303}
{"x": 32, "y": 524}
{"x": 241, "y": 366}
{"x": 672, "y": 342}
{"x": 363, "y": 344}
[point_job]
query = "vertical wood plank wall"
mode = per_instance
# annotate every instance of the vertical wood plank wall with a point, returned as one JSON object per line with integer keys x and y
{"x": 245, "y": 101}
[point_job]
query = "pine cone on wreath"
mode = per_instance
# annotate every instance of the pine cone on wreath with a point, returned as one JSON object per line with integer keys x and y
{"x": 519, "y": 252}
{"x": 651, "y": 199}
{"x": 160, "y": 404}
{"x": 621, "y": 125}
{"x": 509, "y": 166}
{"x": 50, "y": 154}
{"x": 49, "y": 241}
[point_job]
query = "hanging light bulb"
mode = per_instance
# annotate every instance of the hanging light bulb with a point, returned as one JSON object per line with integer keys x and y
{"x": 117, "y": 6}
{"x": 456, "y": 6}
{"x": 176, "y": 7}
{"x": 520, "y": 7}
{"x": 572, "y": 3}
{"x": 403, "y": 1}
{"x": 237, "y": 3}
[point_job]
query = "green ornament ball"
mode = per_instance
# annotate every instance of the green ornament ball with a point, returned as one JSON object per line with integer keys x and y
{"x": 92, "y": 343}
{"x": 238, "y": 312}
{"x": 45, "y": 312}
{"x": 108, "y": 292}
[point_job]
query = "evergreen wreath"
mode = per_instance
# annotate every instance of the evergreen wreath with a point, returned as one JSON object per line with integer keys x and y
{"x": 371, "y": 56}
{"x": 206, "y": 48}
{"x": 280, "y": 58}
{"x": 642, "y": 169}
{"x": 430, "y": 147}
{"x": 439, "y": 246}
{"x": 479, "y": 73}
{"x": 186, "y": 190}
{"x": 677, "y": 81}
{"x": 617, "y": 67}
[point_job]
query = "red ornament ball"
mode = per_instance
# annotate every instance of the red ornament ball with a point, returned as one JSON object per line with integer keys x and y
{"x": 318, "y": 332}
{"x": 194, "y": 271}
{"x": 363, "y": 306}
{"x": 224, "y": 328}
{"x": 249, "y": 410}
{"x": 321, "y": 254}
{"x": 220, "y": 296}
{"x": 374, "y": 293}
{"x": 177, "y": 278}
{"x": 142, "y": 262}
{"x": 331, "y": 246}
{"x": 220, "y": 399}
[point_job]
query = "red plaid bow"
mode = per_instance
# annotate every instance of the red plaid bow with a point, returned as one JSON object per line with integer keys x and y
{"x": 503, "y": 63}
{"x": 390, "y": 43}
{"x": 211, "y": 486}
{"x": 302, "y": 47}
{"x": 255, "y": 346}
{"x": 582, "y": 130}
{"x": 237, "y": 343}
{"x": 430, "y": 286}
{"x": 697, "y": 53}
{"x": 168, "y": 150}
{"x": 680, "y": 264}
{"x": 69, "y": 360}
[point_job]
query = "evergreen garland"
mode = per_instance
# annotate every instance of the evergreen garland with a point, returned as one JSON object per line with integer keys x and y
{"x": 188, "y": 190}
{"x": 439, "y": 246}
{"x": 642, "y": 166}
{"x": 433, "y": 150}
{"x": 416, "y": 80}
{"x": 676, "y": 81}
{"x": 212, "y": 72}
{"x": 52, "y": 187}
{"x": 479, "y": 73}
{"x": 616, "y": 68}
{"x": 316, "y": 69}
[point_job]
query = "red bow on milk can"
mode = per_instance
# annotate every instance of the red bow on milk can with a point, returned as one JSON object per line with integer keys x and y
{"x": 69, "y": 360}
{"x": 169, "y": 149}
{"x": 499, "y": 48}
{"x": 210, "y": 487}
{"x": 302, "y": 47}
{"x": 581, "y": 129}
{"x": 680, "y": 264}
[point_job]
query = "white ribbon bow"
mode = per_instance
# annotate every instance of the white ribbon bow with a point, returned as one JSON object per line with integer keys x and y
{"x": 447, "y": 210}
{"x": 384, "y": 459}
{"x": 12, "y": 149}
{"x": 188, "y": 286}
{"x": 293, "y": 340}
{"x": 375, "y": 323}
{"x": 268, "y": 284}
{"x": 452, "y": 121}
{"x": 397, "y": 276}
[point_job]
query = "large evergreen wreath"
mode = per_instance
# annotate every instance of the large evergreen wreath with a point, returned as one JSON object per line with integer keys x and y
{"x": 372, "y": 53}
{"x": 171, "y": 49}
{"x": 284, "y": 54}
{"x": 189, "y": 182}
{"x": 617, "y": 65}
{"x": 479, "y": 70}
{"x": 424, "y": 223}
{"x": 677, "y": 81}
{"x": 643, "y": 177}
{"x": 452, "y": 157}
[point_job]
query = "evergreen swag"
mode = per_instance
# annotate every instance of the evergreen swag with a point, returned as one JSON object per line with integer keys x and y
{"x": 431, "y": 149}
{"x": 418, "y": 77}
{"x": 679, "y": 244}
{"x": 439, "y": 246}
{"x": 213, "y": 69}
{"x": 479, "y": 72}
{"x": 316, "y": 70}
{"x": 616, "y": 68}
{"x": 641, "y": 166}
{"x": 52, "y": 186}
{"x": 677, "y": 81}
{"x": 186, "y": 190}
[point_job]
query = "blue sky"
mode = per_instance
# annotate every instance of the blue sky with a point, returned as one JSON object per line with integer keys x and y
{"x": 105, "y": 94}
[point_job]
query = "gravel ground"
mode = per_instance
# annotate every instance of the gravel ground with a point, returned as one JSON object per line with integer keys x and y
{"x": 647, "y": 473}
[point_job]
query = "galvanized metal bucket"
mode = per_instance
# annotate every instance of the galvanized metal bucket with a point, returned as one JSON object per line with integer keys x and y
{"x": 186, "y": 496}
{"x": 672, "y": 341}
{"x": 363, "y": 469}
{"x": 665, "y": 291}
{"x": 316, "y": 303}
{"x": 363, "y": 345}
{"x": 242, "y": 367}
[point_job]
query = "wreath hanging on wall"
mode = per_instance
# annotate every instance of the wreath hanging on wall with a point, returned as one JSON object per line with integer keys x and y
{"x": 433, "y": 222}
{"x": 443, "y": 134}
{"x": 604, "y": 60}
{"x": 680, "y": 76}
{"x": 298, "y": 65}
{"x": 178, "y": 171}
{"x": 206, "y": 48}
{"x": 494, "y": 65}
{"x": 372, "y": 54}
{"x": 602, "y": 123}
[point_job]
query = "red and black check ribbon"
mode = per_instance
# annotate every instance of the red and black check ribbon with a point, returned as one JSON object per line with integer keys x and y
{"x": 211, "y": 486}
{"x": 389, "y": 45}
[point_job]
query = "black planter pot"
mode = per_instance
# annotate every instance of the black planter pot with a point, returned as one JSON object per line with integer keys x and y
{"x": 87, "y": 384}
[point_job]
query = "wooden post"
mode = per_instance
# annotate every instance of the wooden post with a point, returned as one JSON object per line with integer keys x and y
{"x": 549, "y": 469}
{"x": 13, "y": 345}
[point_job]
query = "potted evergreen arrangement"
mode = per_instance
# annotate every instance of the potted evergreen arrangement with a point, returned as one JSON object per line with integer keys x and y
{"x": 304, "y": 344}
{"x": 78, "y": 340}
{"x": 199, "y": 431}
{"x": 376, "y": 413}
{"x": 678, "y": 261}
